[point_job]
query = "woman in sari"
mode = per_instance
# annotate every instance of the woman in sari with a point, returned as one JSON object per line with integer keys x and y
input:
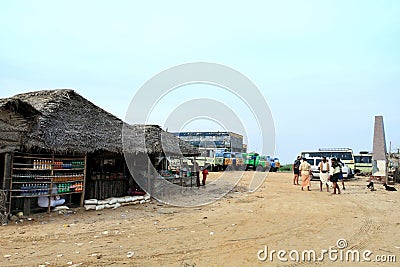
{"x": 305, "y": 170}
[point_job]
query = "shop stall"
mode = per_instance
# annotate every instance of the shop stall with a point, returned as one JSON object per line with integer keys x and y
{"x": 57, "y": 144}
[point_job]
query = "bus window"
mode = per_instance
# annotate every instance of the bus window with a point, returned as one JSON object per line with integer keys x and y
{"x": 363, "y": 159}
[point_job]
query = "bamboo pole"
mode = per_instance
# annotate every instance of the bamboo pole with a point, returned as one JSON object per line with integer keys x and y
{"x": 84, "y": 180}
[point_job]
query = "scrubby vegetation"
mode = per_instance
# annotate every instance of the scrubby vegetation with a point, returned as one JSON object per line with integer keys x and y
{"x": 286, "y": 168}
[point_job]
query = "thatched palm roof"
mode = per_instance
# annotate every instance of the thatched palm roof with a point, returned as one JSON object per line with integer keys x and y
{"x": 63, "y": 121}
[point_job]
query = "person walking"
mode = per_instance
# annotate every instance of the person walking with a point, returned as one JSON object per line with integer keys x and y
{"x": 335, "y": 173}
{"x": 305, "y": 170}
{"x": 323, "y": 167}
{"x": 205, "y": 173}
{"x": 296, "y": 170}
{"x": 341, "y": 172}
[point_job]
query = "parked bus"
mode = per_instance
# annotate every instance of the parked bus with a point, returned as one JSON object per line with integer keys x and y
{"x": 344, "y": 154}
{"x": 363, "y": 163}
{"x": 314, "y": 162}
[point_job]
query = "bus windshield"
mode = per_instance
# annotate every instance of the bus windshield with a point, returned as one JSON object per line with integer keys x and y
{"x": 342, "y": 155}
{"x": 363, "y": 159}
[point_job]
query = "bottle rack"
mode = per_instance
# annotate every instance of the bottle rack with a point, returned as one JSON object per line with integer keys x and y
{"x": 46, "y": 164}
{"x": 35, "y": 176}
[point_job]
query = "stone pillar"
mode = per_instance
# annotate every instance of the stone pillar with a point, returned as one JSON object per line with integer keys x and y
{"x": 379, "y": 159}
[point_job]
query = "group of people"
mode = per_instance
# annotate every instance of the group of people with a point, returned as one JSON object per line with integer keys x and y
{"x": 196, "y": 170}
{"x": 328, "y": 173}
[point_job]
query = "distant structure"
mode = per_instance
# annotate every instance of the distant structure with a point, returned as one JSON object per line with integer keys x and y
{"x": 210, "y": 142}
{"x": 244, "y": 150}
{"x": 379, "y": 159}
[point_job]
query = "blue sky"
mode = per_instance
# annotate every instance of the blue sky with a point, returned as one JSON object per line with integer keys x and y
{"x": 326, "y": 68}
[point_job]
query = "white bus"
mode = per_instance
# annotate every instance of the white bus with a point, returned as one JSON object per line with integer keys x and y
{"x": 344, "y": 154}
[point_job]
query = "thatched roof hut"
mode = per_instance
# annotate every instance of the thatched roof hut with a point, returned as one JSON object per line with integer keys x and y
{"x": 62, "y": 121}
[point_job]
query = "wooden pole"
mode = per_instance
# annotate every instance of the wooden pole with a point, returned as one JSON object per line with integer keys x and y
{"x": 7, "y": 182}
{"x": 84, "y": 180}
{"x": 148, "y": 176}
{"x": 51, "y": 185}
{"x": 180, "y": 172}
{"x": 388, "y": 163}
{"x": 7, "y": 171}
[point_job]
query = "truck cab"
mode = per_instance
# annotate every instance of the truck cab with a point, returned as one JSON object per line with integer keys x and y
{"x": 253, "y": 161}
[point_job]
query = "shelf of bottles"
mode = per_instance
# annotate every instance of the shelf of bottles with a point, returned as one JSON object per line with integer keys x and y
{"x": 44, "y": 188}
{"x": 37, "y": 189}
{"x": 42, "y": 164}
{"x": 37, "y": 176}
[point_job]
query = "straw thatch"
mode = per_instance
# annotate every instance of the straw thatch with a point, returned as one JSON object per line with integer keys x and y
{"x": 62, "y": 121}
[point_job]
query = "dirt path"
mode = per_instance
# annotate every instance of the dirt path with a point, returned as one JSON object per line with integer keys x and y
{"x": 228, "y": 232}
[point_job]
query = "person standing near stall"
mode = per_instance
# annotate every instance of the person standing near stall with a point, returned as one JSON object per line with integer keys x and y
{"x": 196, "y": 170}
{"x": 205, "y": 173}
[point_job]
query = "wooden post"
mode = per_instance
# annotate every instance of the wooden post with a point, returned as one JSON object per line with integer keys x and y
{"x": 84, "y": 181}
{"x": 7, "y": 182}
{"x": 180, "y": 172}
{"x": 51, "y": 184}
{"x": 148, "y": 177}
{"x": 7, "y": 171}
{"x": 27, "y": 206}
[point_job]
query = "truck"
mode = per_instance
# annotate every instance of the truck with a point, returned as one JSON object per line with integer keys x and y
{"x": 253, "y": 161}
{"x": 211, "y": 163}
{"x": 275, "y": 164}
{"x": 256, "y": 162}
{"x": 233, "y": 161}
{"x": 217, "y": 162}
{"x": 214, "y": 163}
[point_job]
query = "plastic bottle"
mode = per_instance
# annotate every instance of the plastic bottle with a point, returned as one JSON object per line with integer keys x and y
{"x": 22, "y": 193}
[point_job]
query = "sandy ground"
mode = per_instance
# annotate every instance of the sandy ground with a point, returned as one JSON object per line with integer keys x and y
{"x": 228, "y": 232}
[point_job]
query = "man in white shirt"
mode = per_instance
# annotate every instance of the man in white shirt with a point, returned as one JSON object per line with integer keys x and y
{"x": 323, "y": 167}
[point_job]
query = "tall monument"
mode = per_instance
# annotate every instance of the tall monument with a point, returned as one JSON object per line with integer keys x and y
{"x": 379, "y": 159}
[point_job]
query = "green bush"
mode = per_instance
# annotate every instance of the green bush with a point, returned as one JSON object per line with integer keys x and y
{"x": 286, "y": 168}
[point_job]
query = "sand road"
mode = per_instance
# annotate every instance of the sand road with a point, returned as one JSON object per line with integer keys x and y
{"x": 233, "y": 231}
